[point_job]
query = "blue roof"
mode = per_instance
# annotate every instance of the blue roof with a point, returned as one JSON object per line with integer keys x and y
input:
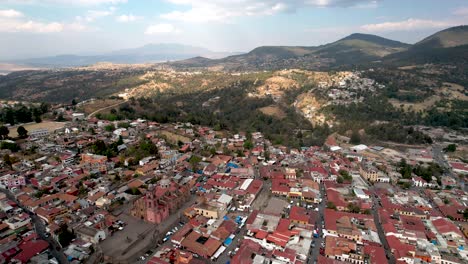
{"x": 226, "y": 218}
{"x": 228, "y": 241}
{"x": 232, "y": 165}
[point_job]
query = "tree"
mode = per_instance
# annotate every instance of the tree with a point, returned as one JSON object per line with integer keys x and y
{"x": 65, "y": 236}
{"x": 345, "y": 174}
{"x": 353, "y": 208}
{"x": 331, "y": 205}
{"x": 22, "y": 132}
{"x": 60, "y": 117}
{"x": 339, "y": 179}
{"x": 451, "y": 148}
{"x": 11, "y": 146}
{"x": 7, "y": 159}
{"x": 405, "y": 169}
{"x": 73, "y": 102}
{"x": 355, "y": 137}
{"x": 109, "y": 128}
{"x": 248, "y": 144}
{"x": 4, "y": 131}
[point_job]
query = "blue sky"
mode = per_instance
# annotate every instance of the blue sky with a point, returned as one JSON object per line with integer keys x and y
{"x": 32, "y": 28}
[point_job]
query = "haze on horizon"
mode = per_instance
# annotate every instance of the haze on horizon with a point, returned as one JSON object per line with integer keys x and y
{"x": 33, "y": 28}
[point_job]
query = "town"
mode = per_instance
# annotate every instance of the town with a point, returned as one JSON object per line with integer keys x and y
{"x": 136, "y": 191}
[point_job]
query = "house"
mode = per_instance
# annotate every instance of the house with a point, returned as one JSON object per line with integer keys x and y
{"x": 12, "y": 180}
{"x": 342, "y": 249}
{"x": 39, "y": 133}
{"x": 449, "y": 231}
{"x": 18, "y": 221}
{"x": 201, "y": 245}
{"x": 459, "y": 167}
{"x": 420, "y": 182}
{"x": 208, "y": 211}
{"x": 90, "y": 234}
{"x": 361, "y": 194}
{"x": 369, "y": 172}
{"x": 30, "y": 249}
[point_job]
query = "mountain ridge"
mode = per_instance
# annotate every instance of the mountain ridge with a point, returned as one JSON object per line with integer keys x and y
{"x": 149, "y": 53}
{"x": 354, "y": 49}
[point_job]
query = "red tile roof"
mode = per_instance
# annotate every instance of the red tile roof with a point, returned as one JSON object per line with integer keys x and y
{"x": 30, "y": 249}
{"x": 445, "y": 226}
{"x": 376, "y": 254}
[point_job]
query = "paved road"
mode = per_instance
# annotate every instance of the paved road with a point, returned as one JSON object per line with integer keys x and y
{"x": 438, "y": 154}
{"x": 315, "y": 251}
{"x": 382, "y": 237}
{"x": 54, "y": 249}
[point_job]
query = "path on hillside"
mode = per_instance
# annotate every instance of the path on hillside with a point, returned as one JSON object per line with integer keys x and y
{"x": 104, "y": 108}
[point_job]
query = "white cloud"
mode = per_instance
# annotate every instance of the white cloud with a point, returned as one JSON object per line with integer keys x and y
{"x": 12, "y": 21}
{"x": 408, "y": 25}
{"x": 10, "y": 13}
{"x": 14, "y": 25}
{"x": 66, "y": 2}
{"x": 128, "y": 18}
{"x": 162, "y": 28}
{"x": 92, "y": 15}
{"x": 223, "y": 10}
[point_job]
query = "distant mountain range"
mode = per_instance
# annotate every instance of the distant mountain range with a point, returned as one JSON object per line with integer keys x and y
{"x": 151, "y": 53}
{"x": 449, "y": 45}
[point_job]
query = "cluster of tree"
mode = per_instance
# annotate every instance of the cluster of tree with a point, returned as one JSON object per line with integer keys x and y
{"x": 456, "y": 118}
{"x": 133, "y": 191}
{"x": 426, "y": 172}
{"x": 66, "y": 85}
{"x": 9, "y": 160}
{"x": 4, "y": 132}
{"x": 109, "y": 150}
{"x": 451, "y": 148}
{"x": 145, "y": 148}
{"x": 398, "y": 133}
{"x": 353, "y": 208}
{"x": 234, "y": 110}
{"x": 345, "y": 174}
{"x": 65, "y": 236}
{"x": 23, "y": 114}
{"x": 408, "y": 85}
{"x": 13, "y": 147}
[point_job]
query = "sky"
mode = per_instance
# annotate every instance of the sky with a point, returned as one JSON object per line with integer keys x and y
{"x": 38, "y": 28}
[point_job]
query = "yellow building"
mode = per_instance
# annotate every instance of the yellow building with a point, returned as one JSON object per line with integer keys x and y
{"x": 369, "y": 173}
{"x": 208, "y": 211}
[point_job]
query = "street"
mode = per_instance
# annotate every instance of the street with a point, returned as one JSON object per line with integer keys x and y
{"x": 438, "y": 155}
{"x": 54, "y": 247}
{"x": 315, "y": 250}
{"x": 382, "y": 237}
